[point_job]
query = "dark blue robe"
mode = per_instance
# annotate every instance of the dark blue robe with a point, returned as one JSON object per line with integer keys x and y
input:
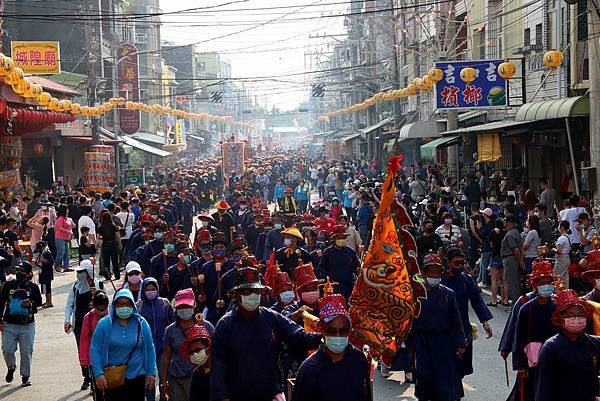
{"x": 533, "y": 325}
{"x": 593, "y": 296}
{"x": 465, "y": 291}
{"x": 508, "y": 335}
{"x": 568, "y": 370}
{"x": 251, "y": 236}
{"x": 211, "y": 289}
{"x": 181, "y": 279}
{"x": 187, "y": 209}
{"x": 135, "y": 241}
{"x": 259, "y": 248}
{"x": 341, "y": 266}
{"x": 274, "y": 240}
{"x": 159, "y": 265}
{"x": 319, "y": 379}
{"x": 437, "y": 335}
{"x": 152, "y": 249}
{"x": 244, "y": 354}
{"x": 288, "y": 262}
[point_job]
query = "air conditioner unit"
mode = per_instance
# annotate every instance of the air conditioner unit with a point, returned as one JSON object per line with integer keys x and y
{"x": 141, "y": 38}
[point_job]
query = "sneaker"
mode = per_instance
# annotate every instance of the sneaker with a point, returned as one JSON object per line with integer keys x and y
{"x": 46, "y": 306}
{"x": 408, "y": 377}
{"x": 385, "y": 371}
{"x": 10, "y": 374}
{"x": 85, "y": 385}
{"x": 25, "y": 381}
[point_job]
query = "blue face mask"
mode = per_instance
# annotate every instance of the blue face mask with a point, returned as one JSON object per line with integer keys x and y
{"x": 434, "y": 282}
{"x": 546, "y": 290}
{"x": 205, "y": 249}
{"x": 124, "y": 312}
{"x": 337, "y": 345}
{"x": 187, "y": 259}
{"x": 237, "y": 258}
{"x": 218, "y": 252}
{"x": 158, "y": 235}
{"x": 320, "y": 245}
{"x": 278, "y": 226}
{"x": 169, "y": 247}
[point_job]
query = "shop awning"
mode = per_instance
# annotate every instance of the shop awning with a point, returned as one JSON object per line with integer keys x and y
{"x": 149, "y": 137}
{"x": 51, "y": 86}
{"x": 198, "y": 138}
{"x": 578, "y": 106}
{"x": 143, "y": 147}
{"x": 88, "y": 139}
{"x": 496, "y": 126}
{"x": 423, "y": 129}
{"x": 428, "y": 150}
{"x": 376, "y": 126}
{"x": 471, "y": 114}
{"x": 350, "y": 137}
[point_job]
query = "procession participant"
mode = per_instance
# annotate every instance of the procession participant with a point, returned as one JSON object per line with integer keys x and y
{"x": 340, "y": 263}
{"x": 186, "y": 210}
{"x": 242, "y": 217}
{"x": 323, "y": 222}
{"x": 508, "y": 335}
{"x": 197, "y": 349}
{"x": 138, "y": 237}
{"x": 320, "y": 246}
{"x": 90, "y": 321}
{"x": 253, "y": 230}
{"x": 307, "y": 290}
{"x": 593, "y": 274}
{"x": 283, "y": 290}
{"x": 159, "y": 314}
{"x": 123, "y": 338}
{"x": 19, "y": 300}
{"x": 438, "y": 338}
{"x": 214, "y": 298}
{"x": 78, "y": 305}
{"x": 274, "y": 239}
{"x": 289, "y": 206}
{"x": 176, "y": 369}
{"x": 569, "y": 362}
{"x": 223, "y": 219}
{"x": 259, "y": 248}
{"x": 203, "y": 248}
{"x": 465, "y": 292}
{"x": 533, "y": 328}
{"x": 207, "y": 221}
{"x": 182, "y": 275}
{"x": 337, "y": 371}
{"x": 165, "y": 258}
{"x": 290, "y": 255}
{"x": 245, "y": 367}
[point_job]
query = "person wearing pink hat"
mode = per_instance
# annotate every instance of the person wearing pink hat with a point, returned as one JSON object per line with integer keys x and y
{"x": 176, "y": 369}
{"x": 337, "y": 371}
{"x": 568, "y": 363}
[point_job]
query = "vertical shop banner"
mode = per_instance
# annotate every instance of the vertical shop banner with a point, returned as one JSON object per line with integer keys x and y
{"x": 9, "y": 178}
{"x": 233, "y": 158}
{"x": 179, "y": 132}
{"x": 129, "y": 86}
{"x": 487, "y": 89}
{"x": 36, "y": 57}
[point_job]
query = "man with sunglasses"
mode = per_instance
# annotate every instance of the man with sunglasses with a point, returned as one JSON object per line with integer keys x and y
{"x": 337, "y": 371}
{"x": 19, "y": 300}
{"x": 247, "y": 343}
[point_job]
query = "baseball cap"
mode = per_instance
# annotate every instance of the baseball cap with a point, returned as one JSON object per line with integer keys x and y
{"x": 487, "y": 211}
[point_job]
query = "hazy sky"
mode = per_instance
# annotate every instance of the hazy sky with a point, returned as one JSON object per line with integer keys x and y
{"x": 266, "y": 48}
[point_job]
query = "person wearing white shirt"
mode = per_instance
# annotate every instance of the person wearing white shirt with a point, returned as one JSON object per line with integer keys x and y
{"x": 563, "y": 248}
{"x": 572, "y": 216}
{"x": 127, "y": 219}
{"x": 86, "y": 221}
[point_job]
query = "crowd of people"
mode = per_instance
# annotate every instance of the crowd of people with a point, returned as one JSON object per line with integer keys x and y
{"x": 204, "y": 284}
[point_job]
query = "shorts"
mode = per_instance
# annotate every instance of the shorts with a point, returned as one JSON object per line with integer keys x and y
{"x": 496, "y": 263}
{"x": 46, "y": 287}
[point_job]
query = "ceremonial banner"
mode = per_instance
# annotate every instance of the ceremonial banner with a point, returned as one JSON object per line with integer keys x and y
{"x": 233, "y": 158}
{"x": 179, "y": 129}
{"x": 96, "y": 176}
{"x": 9, "y": 178}
{"x": 384, "y": 301}
{"x": 36, "y": 57}
{"x": 129, "y": 86}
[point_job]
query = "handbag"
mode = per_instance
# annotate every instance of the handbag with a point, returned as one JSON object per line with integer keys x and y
{"x": 123, "y": 231}
{"x": 115, "y": 375}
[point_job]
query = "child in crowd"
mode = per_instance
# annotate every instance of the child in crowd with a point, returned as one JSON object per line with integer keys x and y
{"x": 87, "y": 250}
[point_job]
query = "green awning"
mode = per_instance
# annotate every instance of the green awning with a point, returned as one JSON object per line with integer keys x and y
{"x": 428, "y": 150}
{"x": 378, "y": 125}
{"x": 578, "y": 106}
{"x": 350, "y": 137}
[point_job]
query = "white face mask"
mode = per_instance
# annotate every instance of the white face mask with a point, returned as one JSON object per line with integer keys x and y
{"x": 287, "y": 297}
{"x": 204, "y": 223}
{"x": 199, "y": 358}
{"x": 598, "y": 283}
{"x": 251, "y": 302}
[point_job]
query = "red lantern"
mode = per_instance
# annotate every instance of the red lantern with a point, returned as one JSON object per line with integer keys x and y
{"x": 38, "y": 148}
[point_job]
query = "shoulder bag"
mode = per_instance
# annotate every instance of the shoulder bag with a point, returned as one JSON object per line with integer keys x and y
{"x": 115, "y": 375}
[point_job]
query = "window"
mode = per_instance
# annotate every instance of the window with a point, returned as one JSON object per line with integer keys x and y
{"x": 582, "y": 20}
{"x": 527, "y": 37}
{"x": 482, "y": 43}
{"x": 539, "y": 37}
{"x": 500, "y": 48}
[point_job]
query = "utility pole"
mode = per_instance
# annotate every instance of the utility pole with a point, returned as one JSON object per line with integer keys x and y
{"x": 452, "y": 124}
{"x": 594, "y": 57}
{"x": 394, "y": 65}
{"x": 91, "y": 71}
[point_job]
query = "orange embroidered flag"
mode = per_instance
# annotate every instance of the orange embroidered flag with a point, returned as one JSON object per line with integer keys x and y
{"x": 384, "y": 303}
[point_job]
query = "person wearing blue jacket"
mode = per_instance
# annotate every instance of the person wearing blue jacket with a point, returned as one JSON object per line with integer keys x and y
{"x": 159, "y": 314}
{"x": 124, "y": 337}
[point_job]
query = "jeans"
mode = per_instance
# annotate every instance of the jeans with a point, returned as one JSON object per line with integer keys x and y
{"x": 363, "y": 232}
{"x": 62, "y": 253}
{"x": 151, "y": 392}
{"x": 23, "y": 335}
